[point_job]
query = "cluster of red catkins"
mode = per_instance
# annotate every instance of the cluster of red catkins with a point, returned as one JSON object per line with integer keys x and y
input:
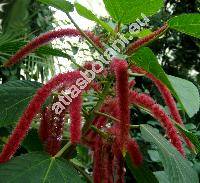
{"x": 108, "y": 150}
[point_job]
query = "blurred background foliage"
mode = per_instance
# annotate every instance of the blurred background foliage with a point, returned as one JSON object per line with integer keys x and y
{"x": 22, "y": 20}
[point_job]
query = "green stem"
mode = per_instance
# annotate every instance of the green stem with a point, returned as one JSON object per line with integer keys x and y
{"x": 67, "y": 146}
{"x": 106, "y": 115}
{"x": 115, "y": 119}
{"x": 135, "y": 74}
{"x": 76, "y": 64}
{"x": 91, "y": 116}
{"x": 88, "y": 103}
{"x": 102, "y": 134}
{"x": 135, "y": 126}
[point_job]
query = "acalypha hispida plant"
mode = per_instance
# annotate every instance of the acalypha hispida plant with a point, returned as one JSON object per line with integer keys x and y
{"x": 105, "y": 127}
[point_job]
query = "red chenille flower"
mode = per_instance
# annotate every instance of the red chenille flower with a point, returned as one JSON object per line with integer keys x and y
{"x": 120, "y": 68}
{"x": 75, "y": 117}
{"x": 159, "y": 114}
{"x": 134, "y": 152}
{"x": 137, "y": 44}
{"x": 33, "y": 108}
{"x": 44, "y": 39}
{"x": 97, "y": 156}
{"x": 168, "y": 98}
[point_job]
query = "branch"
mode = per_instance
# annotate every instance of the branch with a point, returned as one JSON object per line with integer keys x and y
{"x": 107, "y": 115}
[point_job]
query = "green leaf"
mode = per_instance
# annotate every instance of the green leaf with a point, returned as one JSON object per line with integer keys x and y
{"x": 62, "y": 5}
{"x": 193, "y": 138}
{"x": 146, "y": 59}
{"x": 38, "y": 168}
{"x": 181, "y": 89}
{"x": 162, "y": 177}
{"x": 14, "y": 97}
{"x": 15, "y": 16}
{"x": 186, "y": 23}
{"x": 188, "y": 93}
{"x": 84, "y": 12}
{"x": 127, "y": 11}
{"x": 190, "y": 126}
{"x": 47, "y": 50}
{"x": 177, "y": 168}
{"x": 142, "y": 173}
{"x": 141, "y": 34}
{"x": 154, "y": 156}
{"x": 11, "y": 46}
{"x": 32, "y": 141}
{"x": 83, "y": 155}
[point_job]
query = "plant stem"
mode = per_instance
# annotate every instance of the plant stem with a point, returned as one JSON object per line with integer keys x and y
{"x": 91, "y": 116}
{"x": 115, "y": 119}
{"x": 135, "y": 126}
{"x": 102, "y": 134}
{"x": 76, "y": 64}
{"x": 67, "y": 146}
{"x": 118, "y": 27}
{"x": 135, "y": 74}
{"x": 107, "y": 115}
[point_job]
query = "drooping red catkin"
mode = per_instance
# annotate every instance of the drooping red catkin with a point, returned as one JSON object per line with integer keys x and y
{"x": 120, "y": 68}
{"x": 55, "y": 129}
{"x": 97, "y": 158}
{"x": 170, "y": 102}
{"x": 168, "y": 98}
{"x": 140, "y": 42}
{"x": 75, "y": 116}
{"x": 44, "y": 39}
{"x": 120, "y": 165}
{"x": 110, "y": 170}
{"x": 138, "y": 70}
{"x": 134, "y": 152}
{"x": 33, "y": 108}
{"x": 111, "y": 107}
{"x": 90, "y": 64}
{"x": 159, "y": 114}
{"x": 43, "y": 130}
{"x": 95, "y": 39}
{"x": 131, "y": 84}
{"x": 107, "y": 162}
